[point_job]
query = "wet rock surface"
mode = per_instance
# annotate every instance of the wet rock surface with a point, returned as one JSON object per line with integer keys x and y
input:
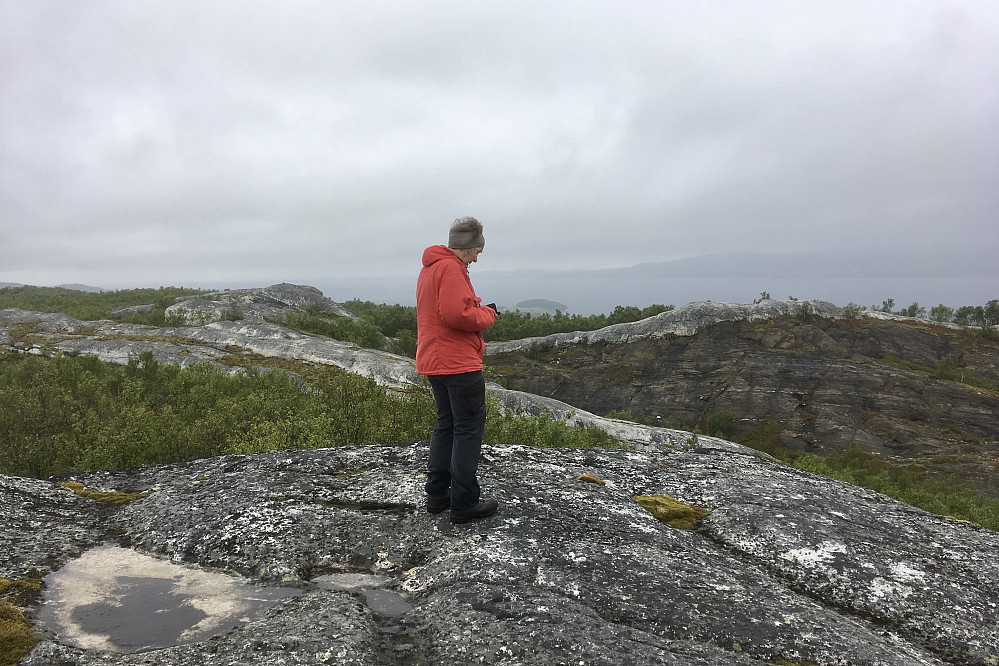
{"x": 787, "y": 567}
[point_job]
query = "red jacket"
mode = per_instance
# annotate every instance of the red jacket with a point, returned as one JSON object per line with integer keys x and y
{"x": 450, "y": 318}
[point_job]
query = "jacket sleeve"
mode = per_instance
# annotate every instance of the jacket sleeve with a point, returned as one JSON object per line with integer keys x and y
{"x": 459, "y": 306}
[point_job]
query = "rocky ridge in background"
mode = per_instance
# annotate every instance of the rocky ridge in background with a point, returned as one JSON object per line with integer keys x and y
{"x": 895, "y": 386}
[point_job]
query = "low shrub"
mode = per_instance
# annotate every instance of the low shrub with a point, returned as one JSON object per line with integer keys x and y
{"x": 64, "y": 414}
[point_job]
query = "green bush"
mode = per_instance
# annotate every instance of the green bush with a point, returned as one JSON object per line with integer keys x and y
{"x": 543, "y": 430}
{"x": 852, "y": 311}
{"x": 941, "y": 313}
{"x": 64, "y": 414}
{"x": 720, "y": 424}
{"x": 361, "y": 332}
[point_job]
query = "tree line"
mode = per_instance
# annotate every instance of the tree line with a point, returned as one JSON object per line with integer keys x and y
{"x": 966, "y": 315}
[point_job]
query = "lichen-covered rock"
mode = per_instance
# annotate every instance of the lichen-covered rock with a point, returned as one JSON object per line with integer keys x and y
{"x": 683, "y": 321}
{"x": 213, "y": 341}
{"x": 254, "y": 304}
{"x": 127, "y": 310}
{"x": 786, "y": 567}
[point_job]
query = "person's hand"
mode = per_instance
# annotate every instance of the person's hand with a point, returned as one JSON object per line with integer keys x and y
{"x": 493, "y": 306}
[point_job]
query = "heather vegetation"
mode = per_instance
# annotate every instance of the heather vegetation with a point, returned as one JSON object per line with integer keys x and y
{"x": 393, "y": 327}
{"x": 515, "y": 325}
{"x": 62, "y": 414}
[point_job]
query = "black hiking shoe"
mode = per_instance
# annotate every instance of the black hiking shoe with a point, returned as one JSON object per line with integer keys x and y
{"x": 483, "y": 509}
{"x": 438, "y": 503}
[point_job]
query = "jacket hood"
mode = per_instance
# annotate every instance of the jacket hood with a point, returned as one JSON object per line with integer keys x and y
{"x": 436, "y": 253}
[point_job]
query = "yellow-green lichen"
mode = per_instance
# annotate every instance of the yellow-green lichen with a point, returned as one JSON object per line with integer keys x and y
{"x": 109, "y": 497}
{"x": 589, "y": 477}
{"x": 672, "y": 511}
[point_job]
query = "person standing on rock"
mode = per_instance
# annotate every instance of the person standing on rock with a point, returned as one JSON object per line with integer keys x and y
{"x": 450, "y": 319}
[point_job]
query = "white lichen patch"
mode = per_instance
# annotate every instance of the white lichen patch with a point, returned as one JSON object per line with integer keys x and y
{"x": 821, "y": 556}
{"x": 881, "y": 590}
{"x": 901, "y": 571}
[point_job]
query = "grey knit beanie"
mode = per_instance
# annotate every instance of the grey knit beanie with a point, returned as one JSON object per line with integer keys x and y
{"x": 466, "y": 233}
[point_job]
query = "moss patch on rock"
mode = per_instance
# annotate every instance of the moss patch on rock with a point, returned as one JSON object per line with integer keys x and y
{"x": 589, "y": 477}
{"x": 16, "y": 637}
{"x": 109, "y": 497}
{"x": 672, "y": 511}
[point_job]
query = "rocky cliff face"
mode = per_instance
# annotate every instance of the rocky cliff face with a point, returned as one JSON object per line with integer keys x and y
{"x": 786, "y": 567}
{"x": 878, "y": 382}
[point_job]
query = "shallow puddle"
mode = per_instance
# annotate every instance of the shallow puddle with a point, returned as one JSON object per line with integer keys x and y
{"x": 118, "y": 600}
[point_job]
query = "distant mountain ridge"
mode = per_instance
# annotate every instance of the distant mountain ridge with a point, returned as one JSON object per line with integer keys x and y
{"x": 859, "y": 263}
{"x": 536, "y": 306}
{"x": 75, "y": 286}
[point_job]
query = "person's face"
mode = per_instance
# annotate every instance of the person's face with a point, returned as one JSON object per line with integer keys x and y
{"x": 471, "y": 255}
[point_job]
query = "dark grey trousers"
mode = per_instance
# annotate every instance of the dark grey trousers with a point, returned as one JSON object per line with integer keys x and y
{"x": 456, "y": 442}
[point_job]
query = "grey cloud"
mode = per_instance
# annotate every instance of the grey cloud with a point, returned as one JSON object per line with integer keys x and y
{"x": 312, "y": 138}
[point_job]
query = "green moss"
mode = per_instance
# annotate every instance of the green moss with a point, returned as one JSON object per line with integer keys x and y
{"x": 353, "y": 472}
{"x": 21, "y": 592}
{"x": 672, "y": 511}
{"x": 589, "y": 477}
{"x": 16, "y": 637}
{"x": 96, "y": 495}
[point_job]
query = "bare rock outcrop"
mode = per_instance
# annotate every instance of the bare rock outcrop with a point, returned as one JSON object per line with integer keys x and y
{"x": 895, "y": 386}
{"x": 254, "y": 304}
{"x": 786, "y": 567}
{"x": 683, "y": 321}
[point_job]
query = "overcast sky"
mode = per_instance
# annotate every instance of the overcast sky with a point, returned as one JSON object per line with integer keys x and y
{"x": 204, "y": 143}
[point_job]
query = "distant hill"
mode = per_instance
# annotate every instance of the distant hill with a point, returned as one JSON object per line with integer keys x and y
{"x": 74, "y": 286}
{"x": 536, "y": 306}
{"x": 80, "y": 287}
